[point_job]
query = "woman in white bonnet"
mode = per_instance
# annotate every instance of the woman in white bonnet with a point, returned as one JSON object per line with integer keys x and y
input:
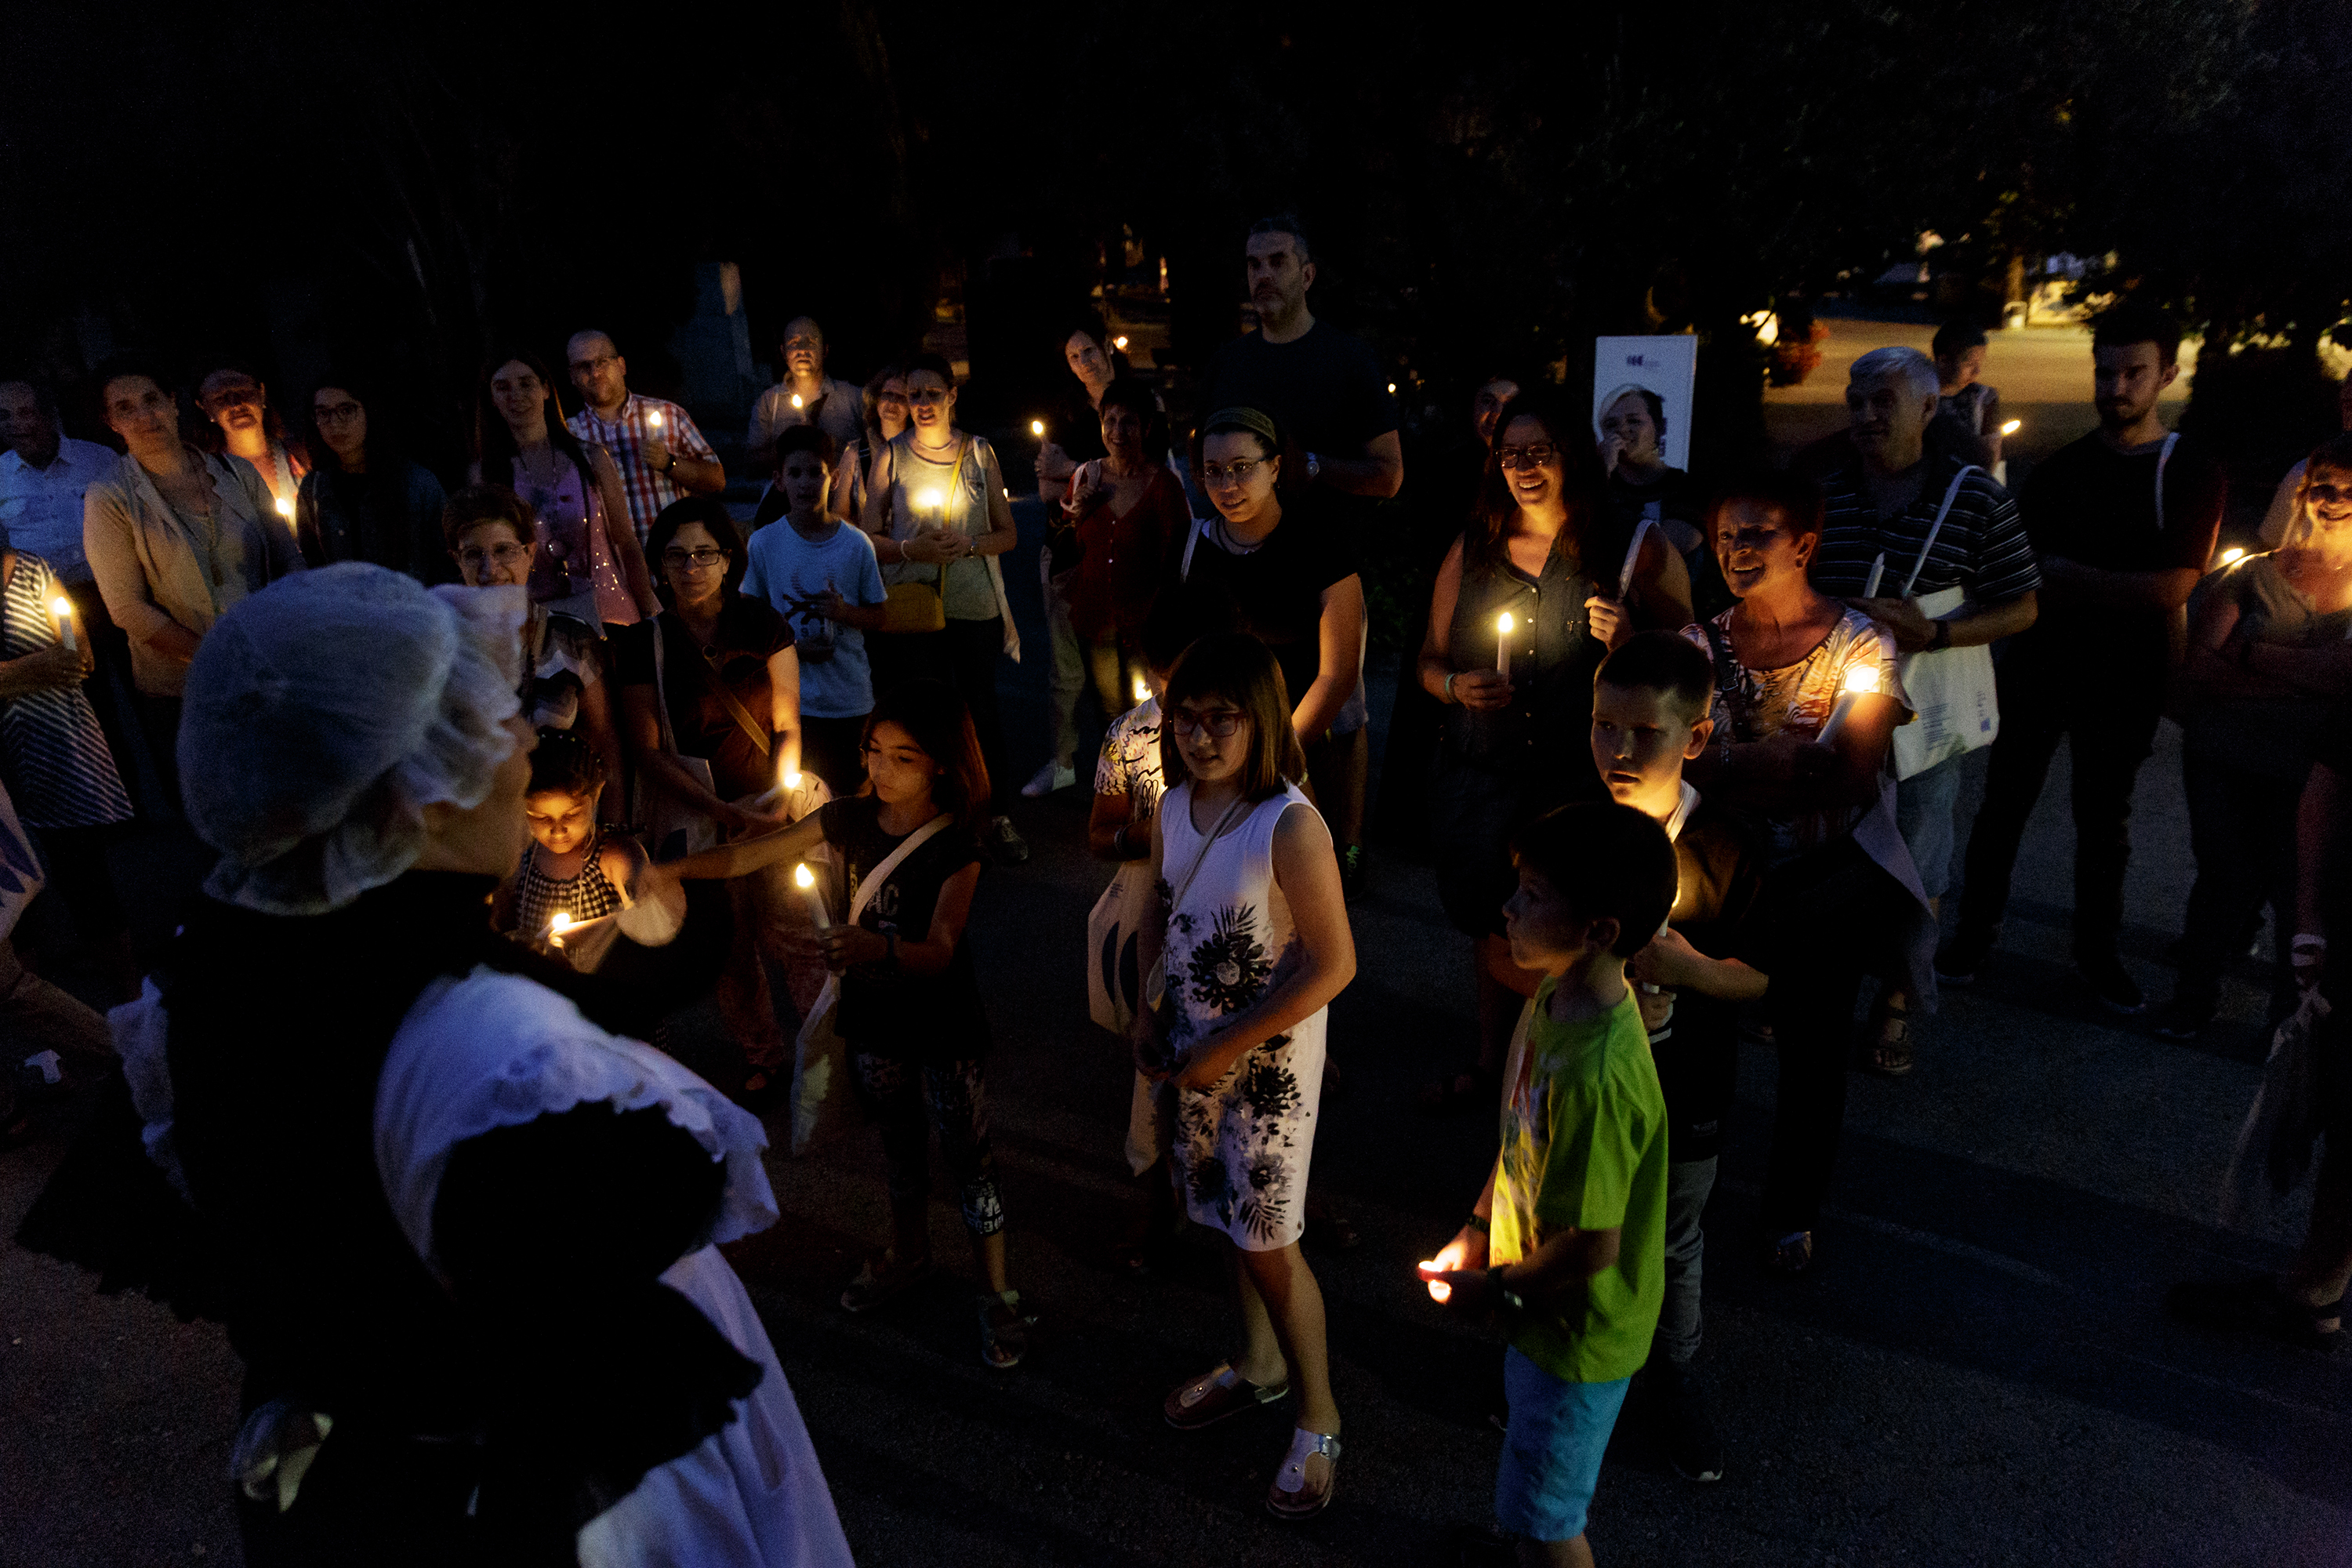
{"x": 462, "y": 1236}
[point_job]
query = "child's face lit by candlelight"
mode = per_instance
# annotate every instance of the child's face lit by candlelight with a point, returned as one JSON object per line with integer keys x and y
{"x": 561, "y": 821}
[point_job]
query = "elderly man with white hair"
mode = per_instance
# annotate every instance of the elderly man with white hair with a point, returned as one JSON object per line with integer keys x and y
{"x": 1930, "y": 545}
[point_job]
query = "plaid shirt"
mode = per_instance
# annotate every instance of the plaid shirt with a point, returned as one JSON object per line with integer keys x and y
{"x": 624, "y": 437}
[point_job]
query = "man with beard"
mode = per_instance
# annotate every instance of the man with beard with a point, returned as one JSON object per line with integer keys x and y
{"x": 2123, "y": 521}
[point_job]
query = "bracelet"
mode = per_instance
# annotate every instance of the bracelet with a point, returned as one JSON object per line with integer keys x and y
{"x": 1942, "y": 638}
{"x": 1118, "y": 843}
{"x": 2308, "y": 942}
{"x": 1502, "y": 1292}
{"x": 1477, "y": 1222}
{"x": 1450, "y": 673}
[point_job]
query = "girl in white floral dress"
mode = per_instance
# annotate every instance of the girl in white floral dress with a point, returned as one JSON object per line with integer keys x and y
{"x": 1257, "y": 945}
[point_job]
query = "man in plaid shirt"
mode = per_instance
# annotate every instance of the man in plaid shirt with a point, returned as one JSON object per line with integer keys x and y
{"x": 660, "y": 454}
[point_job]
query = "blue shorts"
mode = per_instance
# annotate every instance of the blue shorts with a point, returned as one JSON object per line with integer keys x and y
{"x": 1551, "y": 1451}
{"x": 1924, "y": 804}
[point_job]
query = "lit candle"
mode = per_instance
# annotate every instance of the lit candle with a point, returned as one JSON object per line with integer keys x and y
{"x": 813, "y": 896}
{"x": 1037, "y": 428}
{"x": 62, "y": 607}
{"x": 653, "y": 418}
{"x": 1860, "y": 682}
{"x": 2011, "y": 426}
{"x": 1119, "y": 344}
{"x": 2229, "y": 557}
{"x": 1449, "y": 1260}
{"x": 556, "y": 927}
{"x": 796, "y": 401}
{"x": 1143, "y": 690}
{"x": 1504, "y": 624}
{"x": 932, "y": 501}
{"x": 286, "y": 508}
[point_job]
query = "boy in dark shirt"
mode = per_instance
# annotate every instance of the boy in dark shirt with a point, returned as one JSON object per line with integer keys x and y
{"x": 1650, "y": 703}
{"x": 2124, "y": 523}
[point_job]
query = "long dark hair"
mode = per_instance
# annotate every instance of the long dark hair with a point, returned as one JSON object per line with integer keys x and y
{"x": 711, "y": 514}
{"x": 386, "y": 456}
{"x": 1584, "y": 483}
{"x": 936, "y": 719}
{"x": 870, "y": 409}
{"x": 494, "y": 445}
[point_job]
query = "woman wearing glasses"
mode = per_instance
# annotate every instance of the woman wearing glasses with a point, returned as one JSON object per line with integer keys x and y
{"x": 365, "y": 500}
{"x": 711, "y": 715}
{"x": 1292, "y": 567}
{"x": 939, "y": 517}
{"x": 489, "y": 530}
{"x": 1542, "y": 549}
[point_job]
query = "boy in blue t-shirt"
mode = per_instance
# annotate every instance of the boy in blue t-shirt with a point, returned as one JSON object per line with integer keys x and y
{"x": 1567, "y": 1240}
{"x": 821, "y": 574}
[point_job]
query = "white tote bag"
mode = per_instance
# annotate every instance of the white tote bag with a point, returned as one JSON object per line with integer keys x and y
{"x": 1951, "y": 689}
{"x": 819, "y": 1056}
{"x": 1114, "y": 970}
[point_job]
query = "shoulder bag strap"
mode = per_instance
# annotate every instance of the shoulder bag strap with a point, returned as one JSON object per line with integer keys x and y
{"x": 1633, "y": 551}
{"x": 1177, "y": 899}
{"x": 892, "y": 861}
{"x": 1191, "y": 541}
{"x": 1727, "y": 684}
{"x": 743, "y": 720}
{"x": 2162, "y": 457}
{"x": 1942, "y": 512}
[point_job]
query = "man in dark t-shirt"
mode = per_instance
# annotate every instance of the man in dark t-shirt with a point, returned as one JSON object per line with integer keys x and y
{"x": 2123, "y": 521}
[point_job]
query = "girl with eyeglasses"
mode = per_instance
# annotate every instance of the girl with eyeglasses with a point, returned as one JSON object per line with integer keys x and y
{"x": 1254, "y": 923}
{"x": 939, "y": 517}
{"x": 1543, "y": 549}
{"x": 491, "y": 534}
{"x": 2269, "y": 666}
{"x": 365, "y": 500}
{"x": 710, "y": 714}
{"x": 588, "y": 563}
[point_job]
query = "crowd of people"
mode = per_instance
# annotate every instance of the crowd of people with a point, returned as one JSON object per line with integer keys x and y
{"x": 502, "y": 776}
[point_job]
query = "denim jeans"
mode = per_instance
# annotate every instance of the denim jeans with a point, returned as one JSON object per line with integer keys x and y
{"x": 1688, "y": 1182}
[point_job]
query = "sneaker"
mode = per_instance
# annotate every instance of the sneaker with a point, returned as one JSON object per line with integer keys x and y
{"x": 1351, "y": 871}
{"x": 1692, "y": 1446}
{"x": 2117, "y": 992}
{"x": 1004, "y": 842}
{"x": 1963, "y": 958}
{"x": 2183, "y": 1020}
{"x": 1051, "y": 777}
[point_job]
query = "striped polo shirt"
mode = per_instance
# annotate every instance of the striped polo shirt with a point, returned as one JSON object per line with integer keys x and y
{"x": 1983, "y": 545}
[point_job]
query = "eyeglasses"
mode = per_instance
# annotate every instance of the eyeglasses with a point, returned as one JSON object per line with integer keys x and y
{"x": 812, "y": 344}
{"x": 1534, "y": 457}
{"x": 1238, "y": 472}
{"x": 340, "y": 414}
{"x": 1221, "y": 725}
{"x": 592, "y": 365}
{"x": 927, "y": 394}
{"x": 2327, "y": 495}
{"x": 504, "y": 554}
{"x": 697, "y": 559}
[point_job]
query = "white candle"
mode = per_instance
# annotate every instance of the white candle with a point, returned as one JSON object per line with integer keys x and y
{"x": 2011, "y": 426}
{"x": 1877, "y": 570}
{"x": 1504, "y": 624}
{"x": 62, "y": 607}
{"x": 653, "y": 418}
{"x": 1860, "y": 682}
{"x": 556, "y": 927}
{"x": 813, "y": 896}
{"x": 286, "y": 508}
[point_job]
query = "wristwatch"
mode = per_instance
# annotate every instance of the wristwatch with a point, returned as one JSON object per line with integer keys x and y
{"x": 1942, "y": 638}
{"x": 1503, "y": 1294}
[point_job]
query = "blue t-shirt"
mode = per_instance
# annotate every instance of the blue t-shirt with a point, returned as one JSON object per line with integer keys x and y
{"x": 790, "y": 574}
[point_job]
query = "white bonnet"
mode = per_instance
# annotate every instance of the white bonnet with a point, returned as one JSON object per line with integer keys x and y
{"x": 325, "y": 712}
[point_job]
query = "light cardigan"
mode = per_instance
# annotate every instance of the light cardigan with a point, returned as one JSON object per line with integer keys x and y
{"x": 152, "y": 570}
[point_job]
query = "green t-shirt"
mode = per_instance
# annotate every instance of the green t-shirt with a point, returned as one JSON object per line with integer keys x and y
{"x": 1584, "y": 1144}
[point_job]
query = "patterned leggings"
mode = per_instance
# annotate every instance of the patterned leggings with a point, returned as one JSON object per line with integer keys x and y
{"x": 956, "y": 1095}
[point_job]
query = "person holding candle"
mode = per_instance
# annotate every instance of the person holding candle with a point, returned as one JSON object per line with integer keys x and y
{"x": 2269, "y": 668}
{"x": 60, "y": 775}
{"x": 820, "y": 573}
{"x": 573, "y": 866}
{"x": 937, "y": 515}
{"x": 1543, "y": 550}
{"x": 175, "y": 538}
{"x": 1066, "y": 442}
{"x": 1566, "y": 1243}
{"x": 2285, "y": 500}
{"x": 1252, "y": 939}
{"x": 884, "y": 415}
{"x": 709, "y": 700}
{"x": 1841, "y": 893}
{"x": 365, "y": 500}
{"x": 588, "y": 563}
{"x": 1933, "y": 550}
{"x": 244, "y": 425}
{"x": 1967, "y": 413}
{"x": 1129, "y": 515}
{"x": 653, "y": 443}
{"x": 482, "y": 1210}
{"x": 804, "y": 394}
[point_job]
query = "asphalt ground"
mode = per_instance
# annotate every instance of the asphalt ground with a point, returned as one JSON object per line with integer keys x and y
{"x": 1977, "y": 1371}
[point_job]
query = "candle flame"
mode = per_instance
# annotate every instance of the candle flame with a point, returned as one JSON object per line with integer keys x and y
{"x": 653, "y": 419}
{"x": 1505, "y": 625}
{"x": 62, "y": 606}
{"x": 1449, "y": 1260}
{"x": 285, "y": 506}
{"x": 792, "y": 778}
{"x": 1142, "y": 689}
{"x": 561, "y": 923}
{"x": 2011, "y": 426}
{"x": 796, "y": 401}
{"x": 2230, "y": 557}
{"x": 932, "y": 500}
{"x": 1861, "y": 678}
{"x": 1119, "y": 342}
{"x": 1036, "y": 427}
{"x": 800, "y": 877}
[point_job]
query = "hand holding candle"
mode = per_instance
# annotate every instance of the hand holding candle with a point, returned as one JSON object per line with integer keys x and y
{"x": 1037, "y": 428}
{"x": 813, "y": 896}
{"x": 1451, "y": 1258}
{"x": 62, "y": 608}
{"x": 1860, "y": 681}
{"x": 797, "y": 403}
{"x": 1504, "y": 626}
{"x": 286, "y": 508}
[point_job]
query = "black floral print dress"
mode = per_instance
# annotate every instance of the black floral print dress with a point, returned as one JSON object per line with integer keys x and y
{"x": 1241, "y": 1145}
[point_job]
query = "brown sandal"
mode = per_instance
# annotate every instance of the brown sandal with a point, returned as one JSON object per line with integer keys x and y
{"x": 1298, "y": 1501}
{"x": 1214, "y": 1394}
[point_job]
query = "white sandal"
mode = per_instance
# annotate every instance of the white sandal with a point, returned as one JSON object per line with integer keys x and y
{"x": 1287, "y": 1498}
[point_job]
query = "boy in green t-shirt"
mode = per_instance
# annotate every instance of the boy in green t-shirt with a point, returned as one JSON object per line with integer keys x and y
{"x": 1567, "y": 1240}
